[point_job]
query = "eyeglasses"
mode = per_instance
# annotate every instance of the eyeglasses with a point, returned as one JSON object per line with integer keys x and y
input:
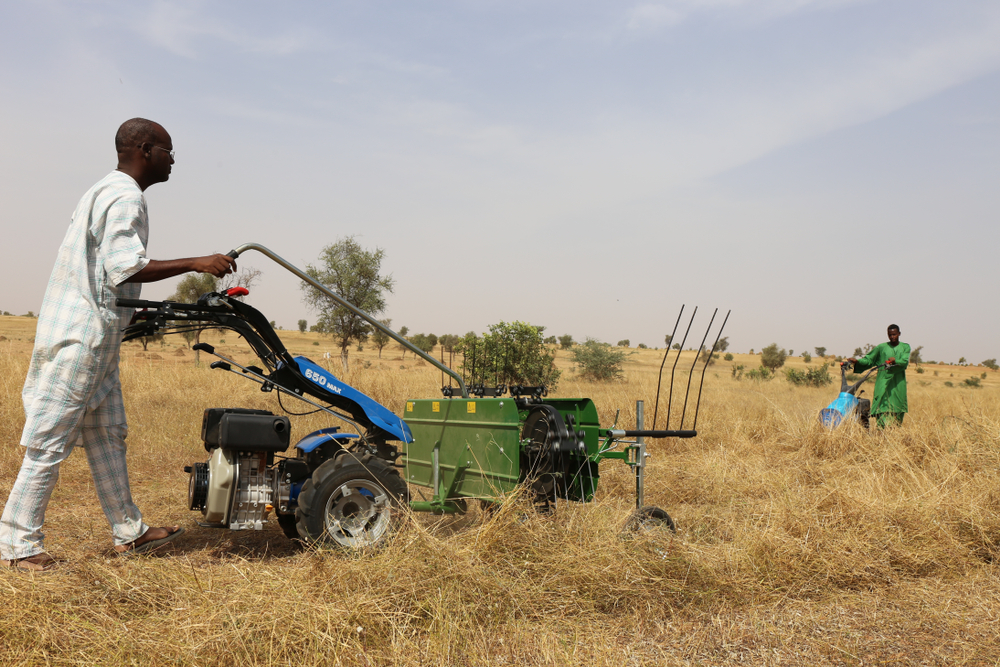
{"x": 171, "y": 153}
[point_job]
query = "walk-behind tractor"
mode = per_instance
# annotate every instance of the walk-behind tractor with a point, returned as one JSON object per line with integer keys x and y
{"x": 849, "y": 405}
{"x": 348, "y": 489}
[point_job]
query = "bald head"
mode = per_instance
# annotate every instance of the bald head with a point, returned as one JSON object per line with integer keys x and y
{"x": 145, "y": 151}
{"x": 135, "y": 132}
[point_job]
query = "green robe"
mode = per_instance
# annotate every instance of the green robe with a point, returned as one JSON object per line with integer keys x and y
{"x": 890, "y": 386}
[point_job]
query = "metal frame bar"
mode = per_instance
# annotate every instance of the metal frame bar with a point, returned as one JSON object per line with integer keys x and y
{"x": 357, "y": 311}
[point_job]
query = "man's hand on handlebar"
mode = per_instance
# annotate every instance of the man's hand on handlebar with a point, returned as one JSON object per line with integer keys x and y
{"x": 218, "y": 264}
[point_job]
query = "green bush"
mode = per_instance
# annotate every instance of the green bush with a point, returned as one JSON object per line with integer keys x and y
{"x": 599, "y": 361}
{"x": 972, "y": 382}
{"x": 761, "y": 374}
{"x": 773, "y": 357}
{"x": 814, "y": 377}
{"x": 807, "y": 358}
{"x": 511, "y": 353}
{"x": 738, "y": 371}
{"x": 949, "y": 383}
{"x": 729, "y": 356}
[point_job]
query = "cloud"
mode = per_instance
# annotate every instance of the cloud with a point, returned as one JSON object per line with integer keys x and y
{"x": 181, "y": 28}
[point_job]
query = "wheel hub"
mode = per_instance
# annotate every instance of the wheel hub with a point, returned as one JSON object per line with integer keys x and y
{"x": 357, "y": 513}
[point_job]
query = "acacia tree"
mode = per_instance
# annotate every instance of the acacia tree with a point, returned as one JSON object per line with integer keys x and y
{"x": 403, "y": 331}
{"x": 189, "y": 289}
{"x": 379, "y": 338}
{"x": 448, "y": 343}
{"x": 772, "y": 357}
{"x": 352, "y": 272}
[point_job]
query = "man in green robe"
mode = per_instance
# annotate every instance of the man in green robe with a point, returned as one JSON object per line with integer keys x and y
{"x": 889, "y": 401}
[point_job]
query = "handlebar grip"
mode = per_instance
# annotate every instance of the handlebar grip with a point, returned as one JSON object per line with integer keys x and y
{"x": 137, "y": 303}
{"x": 233, "y": 253}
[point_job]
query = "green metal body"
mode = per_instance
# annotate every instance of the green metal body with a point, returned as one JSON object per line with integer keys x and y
{"x": 471, "y": 448}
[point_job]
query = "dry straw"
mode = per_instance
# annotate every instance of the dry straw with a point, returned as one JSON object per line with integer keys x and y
{"x": 796, "y": 545}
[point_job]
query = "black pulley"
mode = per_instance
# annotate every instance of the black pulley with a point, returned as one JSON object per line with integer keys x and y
{"x": 198, "y": 487}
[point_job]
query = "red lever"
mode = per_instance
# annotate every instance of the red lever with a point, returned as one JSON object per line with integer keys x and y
{"x": 237, "y": 291}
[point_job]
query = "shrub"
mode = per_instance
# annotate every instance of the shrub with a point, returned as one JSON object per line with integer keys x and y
{"x": 972, "y": 382}
{"x": 598, "y": 361}
{"x": 814, "y": 377}
{"x": 624, "y": 343}
{"x": 991, "y": 364}
{"x": 565, "y": 342}
{"x": 920, "y": 369}
{"x": 761, "y": 374}
{"x": 772, "y": 357}
{"x": 949, "y": 383}
{"x": 729, "y": 356}
{"x": 511, "y": 353}
{"x": 642, "y": 346}
{"x": 807, "y": 358}
{"x": 738, "y": 371}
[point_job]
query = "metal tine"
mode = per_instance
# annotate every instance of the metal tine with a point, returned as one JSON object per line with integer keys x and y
{"x": 704, "y": 368}
{"x": 659, "y": 380}
{"x": 687, "y": 392}
{"x": 673, "y": 369}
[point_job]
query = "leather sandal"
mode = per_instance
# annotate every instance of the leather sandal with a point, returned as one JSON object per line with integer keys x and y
{"x": 42, "y": 562}
{"x": 142, "y": 546}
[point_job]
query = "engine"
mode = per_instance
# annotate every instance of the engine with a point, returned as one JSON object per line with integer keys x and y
{"x": 237, "y": 486}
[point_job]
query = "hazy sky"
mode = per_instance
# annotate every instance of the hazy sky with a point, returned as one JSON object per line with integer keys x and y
{"x": 820, "y": 167}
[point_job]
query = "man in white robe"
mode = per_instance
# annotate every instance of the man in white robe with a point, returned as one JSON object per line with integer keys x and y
{"x": 72, "y": 395}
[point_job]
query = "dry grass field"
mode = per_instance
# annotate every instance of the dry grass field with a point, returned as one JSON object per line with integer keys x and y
{"x": 795, "y": 545}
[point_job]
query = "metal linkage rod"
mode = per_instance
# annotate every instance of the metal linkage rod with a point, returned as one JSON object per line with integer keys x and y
{"x": 351, "y": 307}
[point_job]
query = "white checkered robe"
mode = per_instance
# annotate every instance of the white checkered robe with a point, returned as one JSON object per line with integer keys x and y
{"x": 72, "y": 394}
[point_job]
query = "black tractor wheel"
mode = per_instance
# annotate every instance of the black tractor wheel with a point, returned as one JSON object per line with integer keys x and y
{"x": 647, "y": 519}
{"x": 353, "y": 502}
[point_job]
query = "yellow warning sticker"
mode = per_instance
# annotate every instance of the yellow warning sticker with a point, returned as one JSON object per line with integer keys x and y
{"x": 409, "y": 406}
{"x": 470, "y": 407}
{"x": 436, "y": 406}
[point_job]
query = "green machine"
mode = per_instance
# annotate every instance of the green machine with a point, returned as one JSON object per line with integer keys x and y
{"x": 348, "y": 489}
{"x": 483, "y": 448}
